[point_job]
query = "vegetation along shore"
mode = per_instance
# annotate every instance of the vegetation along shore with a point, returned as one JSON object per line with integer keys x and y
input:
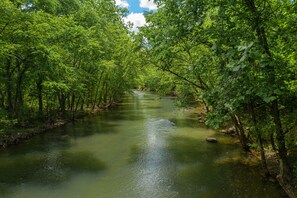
{"x": 236, "y": 60}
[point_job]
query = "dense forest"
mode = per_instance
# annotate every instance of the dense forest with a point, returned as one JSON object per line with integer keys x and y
{"x": 60, "y": 57}
{"x": 236, "y": 58}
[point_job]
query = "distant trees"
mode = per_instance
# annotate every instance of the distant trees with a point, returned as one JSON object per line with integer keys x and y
{"x": 239, "y": 57}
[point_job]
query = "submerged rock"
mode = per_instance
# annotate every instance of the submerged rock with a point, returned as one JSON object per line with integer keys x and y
{"x": 211, "y": 140}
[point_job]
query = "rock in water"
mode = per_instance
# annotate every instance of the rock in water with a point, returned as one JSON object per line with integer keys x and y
{"x": 211, "y": 140}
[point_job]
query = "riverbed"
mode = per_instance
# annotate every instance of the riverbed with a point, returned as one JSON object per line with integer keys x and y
{"x": 144, "y": 148}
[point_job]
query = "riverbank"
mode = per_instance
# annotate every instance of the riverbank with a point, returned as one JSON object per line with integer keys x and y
{"x": 19, "y": 134}
{"x": 270, "y": 170}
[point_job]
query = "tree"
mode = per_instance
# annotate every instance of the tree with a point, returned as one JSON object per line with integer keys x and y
{"x": 60, "y": 55}
{"x": 235, "y": 54}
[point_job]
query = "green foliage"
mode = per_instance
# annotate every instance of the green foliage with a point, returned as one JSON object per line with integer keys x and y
{"x": 153, "y": 80}
{"x": 62, "y": 55}
{"x": 6, "y": 122}
{"x": 185, "y": 95}
{"x": 237, "y": 57}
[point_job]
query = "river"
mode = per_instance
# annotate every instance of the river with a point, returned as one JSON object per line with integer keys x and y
{"x": 144, "y": 148}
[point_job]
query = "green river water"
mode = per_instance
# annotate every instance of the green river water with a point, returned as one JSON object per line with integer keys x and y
{"x": 144, "y": 148}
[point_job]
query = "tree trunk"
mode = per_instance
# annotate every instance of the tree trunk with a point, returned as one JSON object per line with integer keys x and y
{"x": 260, "y": 140}
{"x": 263, "y": 157}
{"x": 240, "y": 131}
{"x": 82, "y": 104}
{"x": 77, "y": 103}
{"x": 100, "y": 98}
{"x": 97, "y": 90}
{"x": 272, "y": 142}
{"x": 40, "y": 99}
{"x": 105, "y": 95}
{"x": 2, "y": 99}
{"x": 63, "y": 104}
{"x": 9, "y": 86}
{"x": 72, "y": 102}
{"x": 18, "y": 102}
{"x": 285, "y": 173}
{"x": 72, "y": 105}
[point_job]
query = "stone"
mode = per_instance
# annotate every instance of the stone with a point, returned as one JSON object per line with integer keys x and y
{"x": 211, "y": 140}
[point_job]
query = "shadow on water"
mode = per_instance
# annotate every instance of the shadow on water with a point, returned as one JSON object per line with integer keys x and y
{"x": 186, "y": 122}
{"x": 87, "y": 128}
{"x": 47, "y": 168}
{"x": 42, "y": 144}
{"x": 216, "y": 170}
{"x": 187, "y": 150}
{"x": 136, "y": 151}
{"x": 122, "y": 116}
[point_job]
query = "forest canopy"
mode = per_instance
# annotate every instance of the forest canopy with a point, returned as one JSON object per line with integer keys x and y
{"x": 62, "y": 55}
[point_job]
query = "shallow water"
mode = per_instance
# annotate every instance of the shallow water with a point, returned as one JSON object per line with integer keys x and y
{"x": 144, "y": 148}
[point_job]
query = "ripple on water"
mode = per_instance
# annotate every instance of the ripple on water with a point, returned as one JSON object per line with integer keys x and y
{"x": 144, "y": 148}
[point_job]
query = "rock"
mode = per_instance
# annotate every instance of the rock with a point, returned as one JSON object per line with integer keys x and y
{"x": 229, "y": 131}
{"x": 223, "y": 131}
{"x": 211, "y": 140}
{"x": 201, "y": 119}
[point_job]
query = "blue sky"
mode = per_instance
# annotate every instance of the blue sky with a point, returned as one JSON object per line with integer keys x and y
{"x": 134, "y": 6}
{"x": 136, "y": 9}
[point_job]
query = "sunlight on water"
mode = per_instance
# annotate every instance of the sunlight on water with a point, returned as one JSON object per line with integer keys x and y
{"x": 145, "y": 148}
{"x": 152, "y": 180}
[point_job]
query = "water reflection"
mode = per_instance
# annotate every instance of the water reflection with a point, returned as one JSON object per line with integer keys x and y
{"x": 208, "y": 170}
{"x": 47, "y": 168}
{"x": 146, "y": 147}
{"x": 154, "y": 159}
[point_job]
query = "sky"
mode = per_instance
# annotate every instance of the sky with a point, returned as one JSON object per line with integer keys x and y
{"x": 136, "y": 9}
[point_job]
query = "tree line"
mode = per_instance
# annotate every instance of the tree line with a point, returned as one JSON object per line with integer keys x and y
{"x": 236, "y": 57}
{"x": 61, "y": 56}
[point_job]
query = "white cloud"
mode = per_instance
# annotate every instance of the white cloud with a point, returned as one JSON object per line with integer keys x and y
{"x": 122, "y": 3}
{"x": 148, "y": 4}
{"x": 137, "y": 19}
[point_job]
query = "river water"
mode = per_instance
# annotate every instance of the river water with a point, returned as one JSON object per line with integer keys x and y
{"x": 145, "y": 148}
